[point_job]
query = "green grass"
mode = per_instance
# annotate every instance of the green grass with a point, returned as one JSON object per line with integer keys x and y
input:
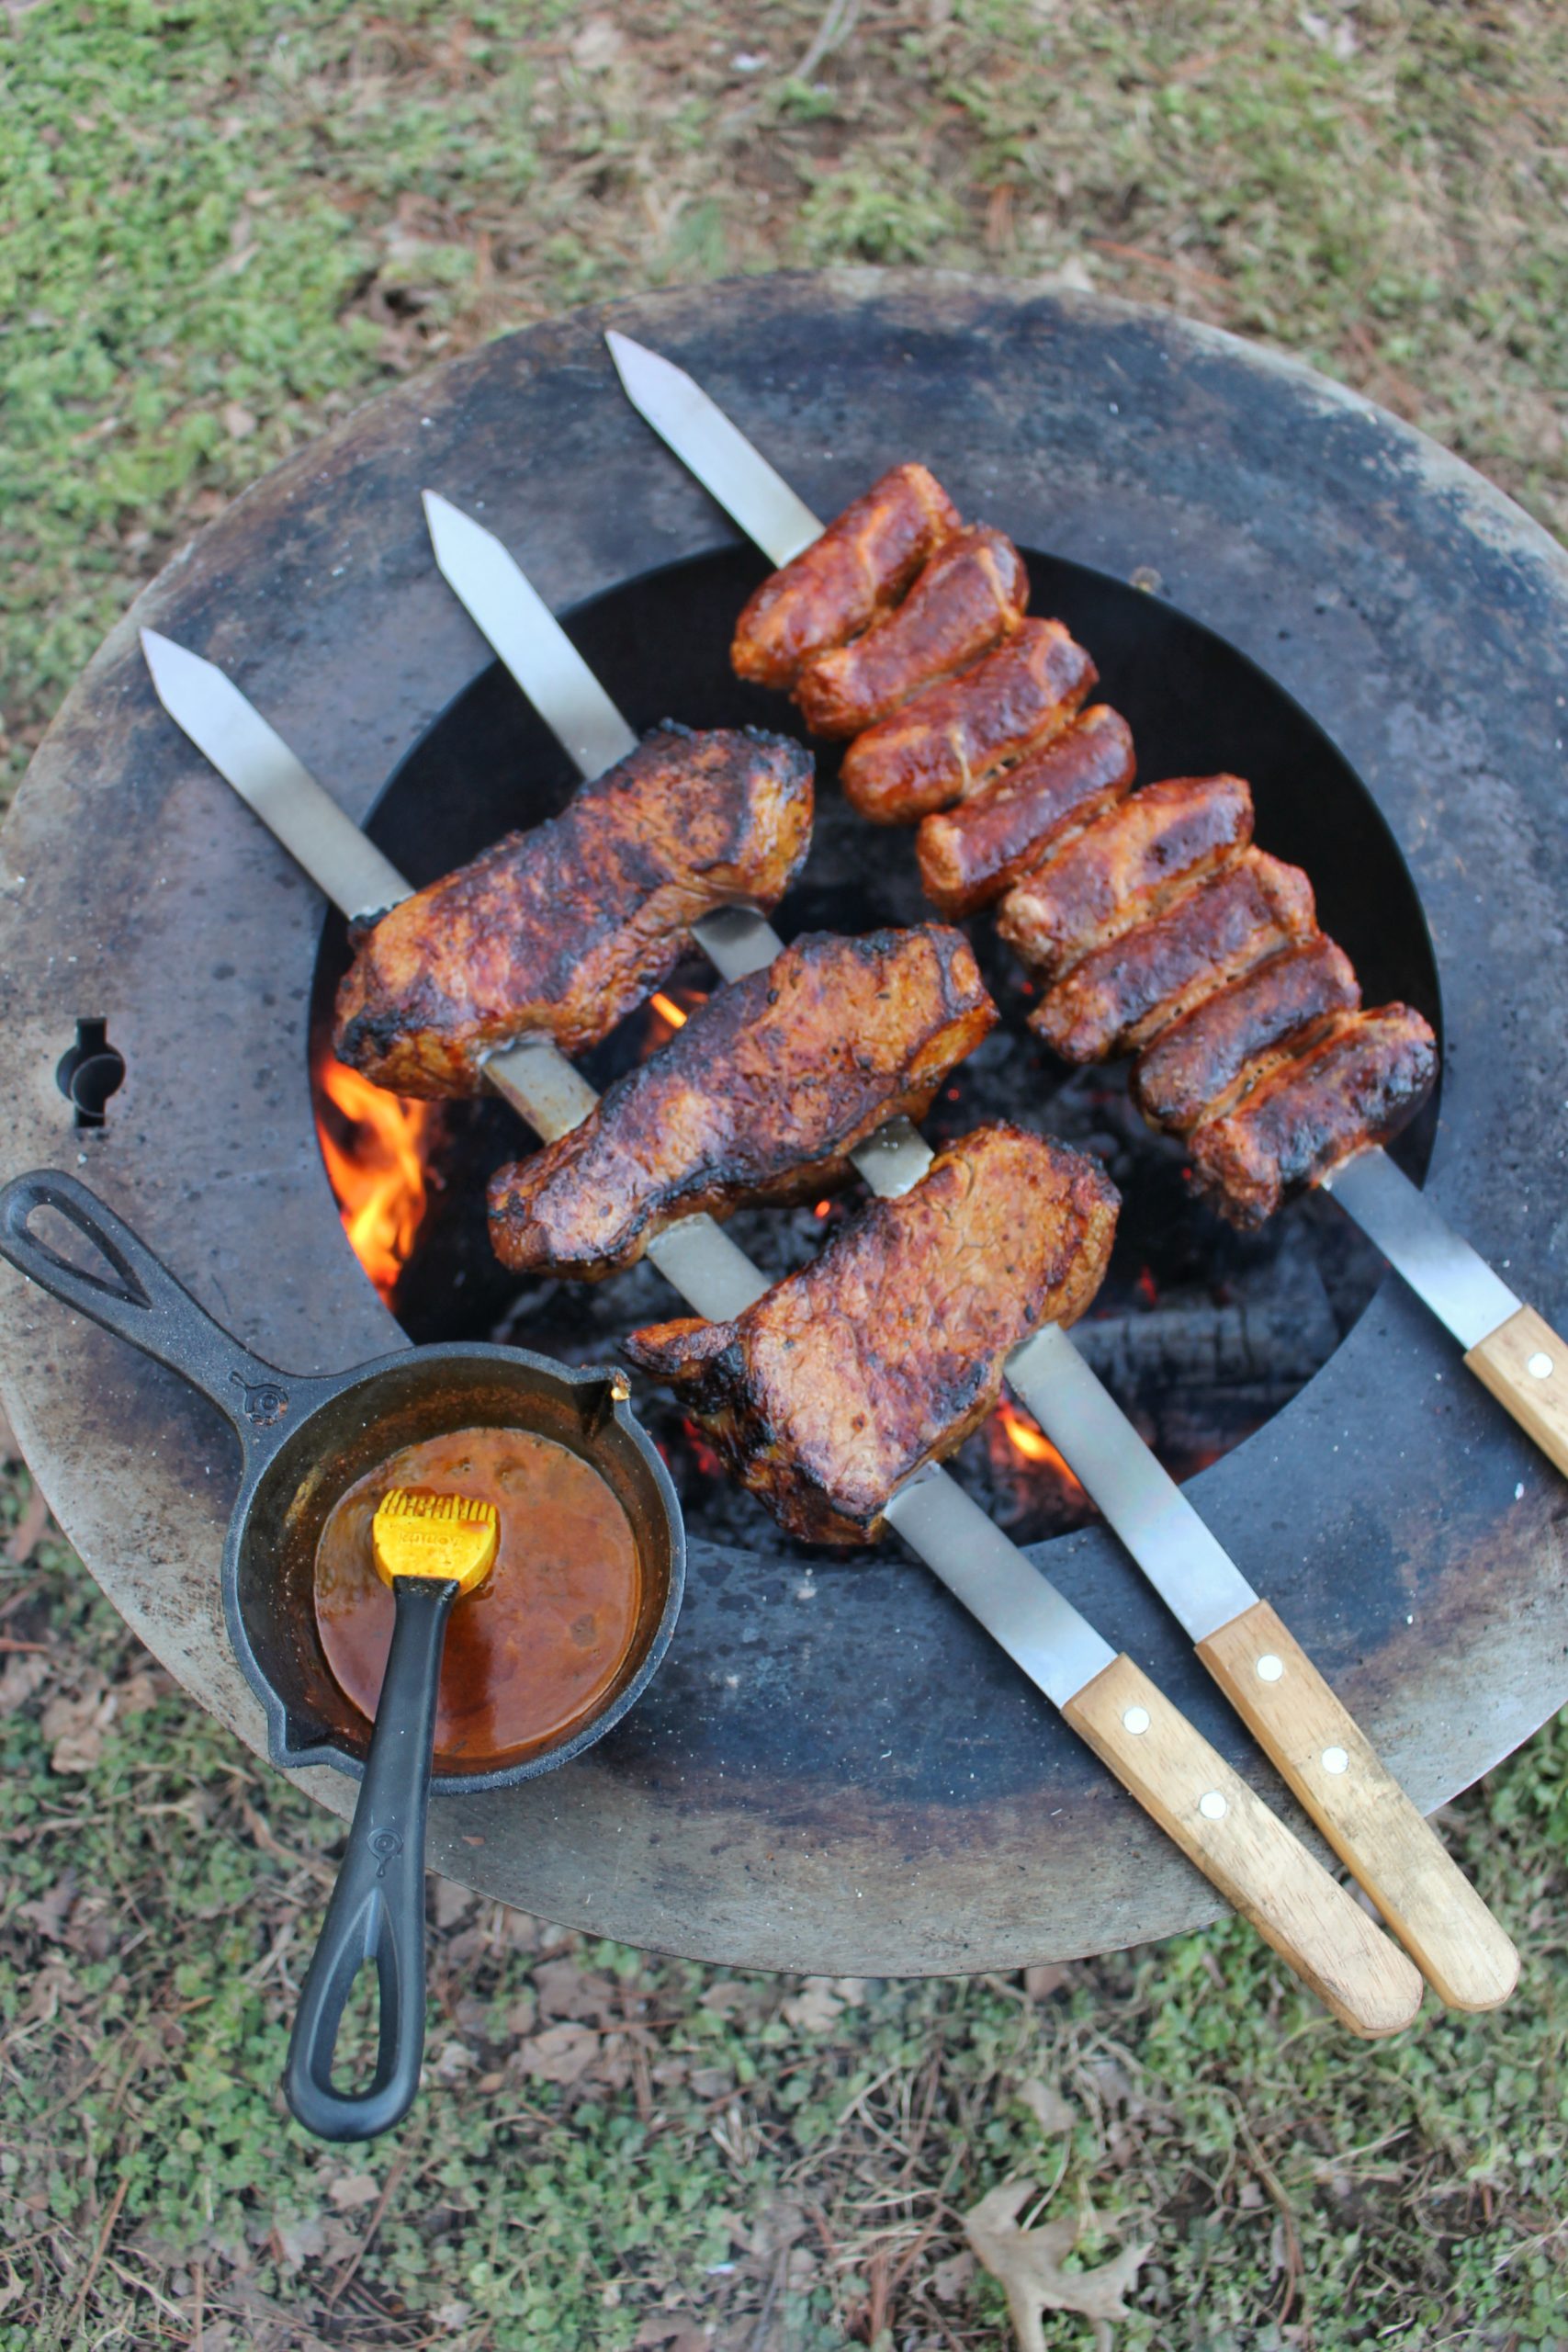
{"x": 222, "y": 223}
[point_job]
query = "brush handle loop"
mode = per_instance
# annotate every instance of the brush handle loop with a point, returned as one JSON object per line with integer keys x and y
{"x": 377, "y": 1912}
{"x": 138, "y": 1299}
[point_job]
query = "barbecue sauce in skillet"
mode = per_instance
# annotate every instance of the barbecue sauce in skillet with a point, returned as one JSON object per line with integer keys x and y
{"x": 534, "y": 1649}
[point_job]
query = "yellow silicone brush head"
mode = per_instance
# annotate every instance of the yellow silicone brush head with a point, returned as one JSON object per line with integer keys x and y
{"x": 444, "y": 1538}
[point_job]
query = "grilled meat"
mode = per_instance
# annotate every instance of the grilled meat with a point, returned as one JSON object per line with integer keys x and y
{"x": 939, "y": 747}
{"x": 561, "y": 931}
{"x": 843, "y": 582}
{"x": 1124, "y": 868}
{"x": 760, "y": 1097}
{"x": 970, "y": 855}
{"x": 1194, "y": 1068}
{"x": 1119, "y": 997}
{"x": 1359, "y": 1084}
{"x": 845, "y": 1378}
{"x": 972, "y": 593}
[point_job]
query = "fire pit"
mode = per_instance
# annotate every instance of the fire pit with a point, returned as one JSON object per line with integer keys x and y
{"x": 836, "y": 1771}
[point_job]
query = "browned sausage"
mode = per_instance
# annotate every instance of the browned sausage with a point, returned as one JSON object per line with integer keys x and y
{"x": 1125, "y": 867}
{"x": 1358, "y": 1085}
{"x": 972, "y": 593}
{"x": 1194, "y": 1068}
{"x": 950, "y": 738}
{"x": 859, "y": 568}
{"x": 968, "y": 855}
{"x": 1118, "y": 998}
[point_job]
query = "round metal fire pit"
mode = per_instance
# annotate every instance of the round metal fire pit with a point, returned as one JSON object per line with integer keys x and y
{"x": 835, "y": 1771}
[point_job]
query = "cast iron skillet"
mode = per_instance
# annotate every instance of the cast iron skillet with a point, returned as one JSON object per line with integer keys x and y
{"x": 304, "y": 1439}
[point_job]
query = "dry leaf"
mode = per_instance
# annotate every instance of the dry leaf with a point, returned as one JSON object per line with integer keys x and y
{"x": 19, "y": 1677}
{"x": 1041, "y": 1982}
{"x": 1049, "y": 2108}
{"x": 562, "y": 1990}
{"x": 353, "y": 2188}
{"x": 1028, "y": 2264}
{"x": 238, "y": 421}
{"x": 820, "y": 2000}
{"x": 560, "y": 2054}
{"x": 453, "y": 1903}
{"x": 28, "y": 1528}
{"x": 949, "y": 2278}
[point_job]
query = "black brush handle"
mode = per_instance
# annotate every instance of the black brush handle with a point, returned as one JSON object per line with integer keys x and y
{"x": 377, "y": 1912}
{"x": 138, "y": 1299}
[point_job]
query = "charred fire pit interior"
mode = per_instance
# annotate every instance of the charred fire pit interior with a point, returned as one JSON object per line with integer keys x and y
{"x": 1200, "y": 1332}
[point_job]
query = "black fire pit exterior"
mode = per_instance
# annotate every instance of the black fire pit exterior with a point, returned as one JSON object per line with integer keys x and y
{"x": 835, "y": 1771}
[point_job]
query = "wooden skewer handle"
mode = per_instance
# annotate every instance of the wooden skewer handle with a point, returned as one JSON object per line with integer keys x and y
{"x": 1525, "y": 1364}
{"x": 1250, "y": 1855}
{"x": 1361, "y": 1809}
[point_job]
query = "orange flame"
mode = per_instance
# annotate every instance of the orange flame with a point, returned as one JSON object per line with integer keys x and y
{"x": 375, "y": 1168}
{"x": 668, "y": 1010}
{"x": 1028, "y": 1439}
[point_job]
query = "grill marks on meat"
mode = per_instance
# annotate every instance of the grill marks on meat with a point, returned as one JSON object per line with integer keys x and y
{"x": 1124, "y": 868}
{"x": 946, "y": 741}
{"x": 972, "y": 592}
{"x": 562, "y": 931}
{"x": 1120, "y": 995}
{"x": 842, "y": 583}
{"x": 970, "y": 855}
{"x": 1196, "y": 1067}
{"x": 883, "y": 1355}
{"x": 1356, "y": 1085}
{"x": 760, "y": 1097}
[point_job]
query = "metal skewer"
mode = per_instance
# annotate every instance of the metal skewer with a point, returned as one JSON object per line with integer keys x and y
{"x": 1508, "y": 1345}
{"x": 1210, "y": 1812}
{"x": 1290, "y": 1709}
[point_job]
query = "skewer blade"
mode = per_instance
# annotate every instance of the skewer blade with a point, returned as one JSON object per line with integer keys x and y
{"x": 1442, "y": 1269}
{"x": 254, "y": 759}
{"x": 717, "y": 451}
{"x": 511, "y": 614}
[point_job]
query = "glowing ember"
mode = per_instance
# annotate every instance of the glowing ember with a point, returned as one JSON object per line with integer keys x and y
{"x": 373, "y": 1145}
{"x": 668, "y": 1010}
{"x": 823, "y": 1208}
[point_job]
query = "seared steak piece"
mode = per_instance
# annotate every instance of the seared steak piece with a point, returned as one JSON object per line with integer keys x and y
{"x": 847, "y": 1377}
{"x": 1356, "y": 1085}
{"x": 561, "y": 931}
{"x": 843, "y": 582}
{"x": 970, "y": 855}
{"x": 946, "y": 742}
{"x": 972, "y": 593}
{"x": 1120, "y": 995}
{"x": 760, "y": 1097}
{"x": 1124, "y": 868}
{"x": 1192, "y": 1069}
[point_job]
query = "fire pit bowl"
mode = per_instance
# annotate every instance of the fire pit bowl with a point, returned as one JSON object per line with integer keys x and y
{"x": 834, "y": 1770}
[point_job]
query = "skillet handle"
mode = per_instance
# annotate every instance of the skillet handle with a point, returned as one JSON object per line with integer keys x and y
{"x": 144, "y": 1305}
{"x": 377, "y": 1912}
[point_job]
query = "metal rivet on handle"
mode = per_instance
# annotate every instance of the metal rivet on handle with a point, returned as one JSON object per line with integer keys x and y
{"x": 1335, "y": 1760}
{"x": 1540, "y": 1366}
{"x": 1269, "y": 1668}
{"x": 1136, "y": 1719}
{"x": 1212, "y": 1805}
